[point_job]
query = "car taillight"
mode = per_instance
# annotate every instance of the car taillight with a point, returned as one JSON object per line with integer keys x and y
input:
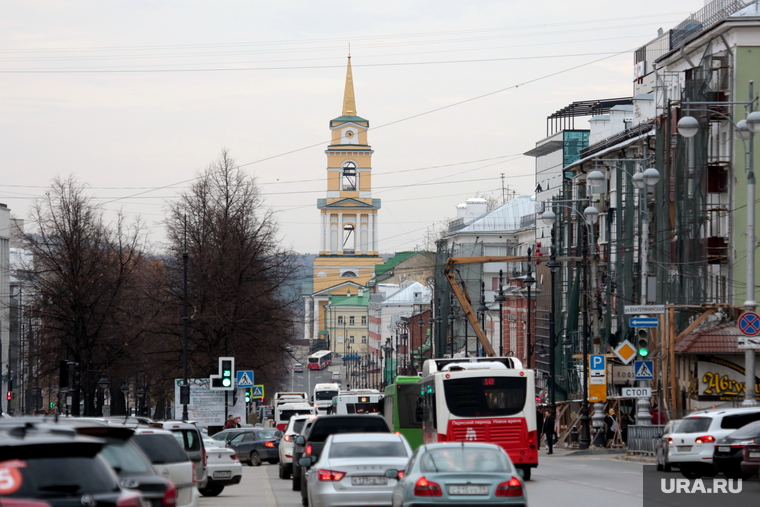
{"x": 170, "y": 496}
{"x": 329, "y": 475}
{"x": 307, "y": 451}
{"x": 268, "y": 444}
{"x": 424, "y": 487}
{"x": 195, "y": 478}
{"x": 287, "y": 438}
{"x": 401, "y": 474}
{"x": 532, "y": 438}
{"x": 233, "y": 457}
{"x": 130, "y": 500}
{"x": 706, "y": 439}
{"x": 513, "y": 487}
{"x": 670, "y": 440}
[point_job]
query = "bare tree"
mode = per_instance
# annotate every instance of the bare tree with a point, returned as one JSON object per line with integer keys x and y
{"x": 238, "y": 274}
{"x": 84, "y": 276}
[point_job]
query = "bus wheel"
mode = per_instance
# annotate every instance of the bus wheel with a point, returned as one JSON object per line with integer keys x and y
{"x": 526, "y": 473}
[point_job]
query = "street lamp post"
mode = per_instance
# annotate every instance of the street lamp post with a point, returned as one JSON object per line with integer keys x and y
{"x": 125, "y": 391}
{"x": 451, "y": 330}
{"x": 553, "y": 266}
{"x": 419, "y": 339}
{"x": 501, "y": 298}
{"x": 529, "y": 281}
{"x": 482, "y": 310}
{"x": 688, "y": 127}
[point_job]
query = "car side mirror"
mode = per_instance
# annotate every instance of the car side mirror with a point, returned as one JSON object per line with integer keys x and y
{"x": 306, "y": 461}
{"x": 300, "y": 440}
{"x": 278, "y": 434}
{"x": 391, "y": 473}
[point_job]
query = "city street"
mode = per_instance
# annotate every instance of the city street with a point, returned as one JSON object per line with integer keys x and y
{"x": 597, "y": 481}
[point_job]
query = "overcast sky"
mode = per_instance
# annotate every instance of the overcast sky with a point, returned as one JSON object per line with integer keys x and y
{"x": 134, "y": 97}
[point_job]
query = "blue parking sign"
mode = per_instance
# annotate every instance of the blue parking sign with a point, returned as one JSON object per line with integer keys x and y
{"x": 596, "y": 362}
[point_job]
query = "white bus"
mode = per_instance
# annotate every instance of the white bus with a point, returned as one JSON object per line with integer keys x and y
{"x": 360, "y": 401}
{"x": 484, "y": 399}
{"x": 323, "y": 396}
{"x": 319, "y": 360}
{"x": 283, "y": 413}
{"x": 290, "y": 397}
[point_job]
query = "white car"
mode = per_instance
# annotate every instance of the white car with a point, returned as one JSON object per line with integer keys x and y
{"x": 223, "y": 467}
{"x": 351, "y": 469}
{"x": 691, "y": 447}
{"x": 335, "y": 377}
{"x": 294, "y": 427}
{"x": 170, "y": 461}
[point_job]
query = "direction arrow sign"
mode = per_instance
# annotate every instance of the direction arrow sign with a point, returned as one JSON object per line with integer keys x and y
{"x": 258, "y": 392}
{"x": 643, "y": 309}
{"x": 644, "y": 322}
{"x": 748, "y": 342}
{"x": 245, "y": 378}
{"x": 643, "y": 370}
{"x": 625, "y": 351}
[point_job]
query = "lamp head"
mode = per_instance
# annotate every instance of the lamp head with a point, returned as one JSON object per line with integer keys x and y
{"x": 103, "y": 382}
{"x": 592, "y": 214}
{"x": 688, "y": 126}
{"x": 553, "y": 266}
{"x": 638, "y": 180}
{"x": 529, "y": 281}
{"x": 651, "y": 176}
{"x": 753, "y": 121}
{"x": 742, "y": 130}
{"x": 124, "y": 388}
{"x": 595, "y": 177}
{"x": 549, "y": 217}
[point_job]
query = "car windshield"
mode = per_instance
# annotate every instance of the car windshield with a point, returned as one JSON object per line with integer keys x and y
{"x": 367, "y": 449}
{"x": 161, "y": 448}
{"x": 751, "y": 430}
{"x": 357, "y": 424}
{"x": 326, "y": 395}
{"x": 694, "y": 424}
{"x": 462, "y": 459}
{"x": 124, "y": 457}
{"x": 56, "y": 477}
{"x": 485, "y": 396}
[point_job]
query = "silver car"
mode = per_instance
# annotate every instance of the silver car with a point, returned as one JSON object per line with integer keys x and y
{"x": 351, "y": 469}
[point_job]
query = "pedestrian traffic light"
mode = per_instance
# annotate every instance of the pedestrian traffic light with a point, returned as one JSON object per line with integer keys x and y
{"x": 642, "y": 336}
{"x": 223, "y": 380}
{"x": 226, "y": 372}
{"x": 248, "y": 396}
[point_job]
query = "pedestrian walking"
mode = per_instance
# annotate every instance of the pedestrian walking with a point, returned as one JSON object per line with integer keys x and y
{"x": 611, "y": 424}
{"x": 549, "y": 430}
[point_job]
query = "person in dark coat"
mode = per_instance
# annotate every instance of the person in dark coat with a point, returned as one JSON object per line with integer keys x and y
{"x": 549, "y": 430}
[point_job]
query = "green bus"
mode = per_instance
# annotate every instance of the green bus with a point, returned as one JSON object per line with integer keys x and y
{"x": 402, "y": 409}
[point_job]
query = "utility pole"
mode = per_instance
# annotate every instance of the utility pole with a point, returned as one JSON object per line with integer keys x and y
{"x": 185, "y": 389}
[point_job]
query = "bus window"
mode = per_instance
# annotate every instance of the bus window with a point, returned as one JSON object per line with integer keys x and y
{"x": 409, "y": 406}
{"x": 485, "y": 396}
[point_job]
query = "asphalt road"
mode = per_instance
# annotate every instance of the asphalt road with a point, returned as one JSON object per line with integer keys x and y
{"x": 305, "y": 382}
{"x": 591, "y": 481}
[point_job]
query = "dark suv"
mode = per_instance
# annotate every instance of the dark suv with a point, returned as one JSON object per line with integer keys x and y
{"x": 60, "y": 468}
{"x": 310, "y": 444}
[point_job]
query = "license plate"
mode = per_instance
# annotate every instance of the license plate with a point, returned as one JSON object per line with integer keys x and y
{"x": 369, "y": 481}
{"x": 468, "y": 490}
{"x": 684, "y": 448}
{"x": 724, "y": 449}
{"x": 222, "y": 475}
{"x": 754, "y": 454}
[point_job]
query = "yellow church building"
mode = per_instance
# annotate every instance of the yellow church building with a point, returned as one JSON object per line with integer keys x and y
{"x": 348, "y": 224}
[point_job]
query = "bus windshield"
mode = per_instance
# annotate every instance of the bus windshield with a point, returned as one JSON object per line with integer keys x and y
{"x": 325, "y": 395}
{"x": 485, "y": 396}
{"x": 285, "y": 415}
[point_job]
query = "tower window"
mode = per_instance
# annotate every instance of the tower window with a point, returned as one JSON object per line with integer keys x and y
{"x": 349, "y": 274}
{"x": 349, "y": 176}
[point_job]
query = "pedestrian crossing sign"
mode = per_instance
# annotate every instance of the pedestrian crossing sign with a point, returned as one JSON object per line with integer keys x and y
{"x": 643, "y": 370}
{"x": 258, "y": 392}
{"x": 245, "y": 378}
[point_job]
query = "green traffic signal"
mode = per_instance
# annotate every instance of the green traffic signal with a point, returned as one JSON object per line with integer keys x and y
{"x": 643, "y": 352}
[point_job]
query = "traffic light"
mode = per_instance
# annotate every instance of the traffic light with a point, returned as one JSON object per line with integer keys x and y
{"x": 248, "y": 396}
{"x": 642, "y": 337}
{"x": 9, "y": 396}
{"x": 226, "y": 372}
{"x": 224, "y": 379}
{"x": 63, "y": 372}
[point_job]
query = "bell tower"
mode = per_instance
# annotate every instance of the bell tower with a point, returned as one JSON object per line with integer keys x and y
{"x": 348, "y": 232}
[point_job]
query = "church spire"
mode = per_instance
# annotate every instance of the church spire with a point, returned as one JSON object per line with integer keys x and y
{"x": 349, "y": 101}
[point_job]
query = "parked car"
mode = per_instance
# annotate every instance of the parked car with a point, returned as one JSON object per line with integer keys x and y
{"x": 351, "y": 469}
{"x": 464, "y": 473}
{"x": 285, "y": 445}
{"x": 44, "y": 465}
{"x": 729, "y": 451}
{"x": 694, "y": 442}
{"x": 312, "y": 441}
{"x": 254, "y": 445}
{"x": 751, "y": 460}
{"x": 661, "y": 446}
{"x": 169, "y": 460}
{"x": 298, "y": 368}
{"x": 222, "y": 466}
{"x": 191, "y": 439}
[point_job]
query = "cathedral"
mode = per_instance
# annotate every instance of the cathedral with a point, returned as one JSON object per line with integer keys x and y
{"x": 336, "y": 305}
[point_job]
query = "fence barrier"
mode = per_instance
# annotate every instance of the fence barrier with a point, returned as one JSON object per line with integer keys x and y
{"x": 644, "y": 438}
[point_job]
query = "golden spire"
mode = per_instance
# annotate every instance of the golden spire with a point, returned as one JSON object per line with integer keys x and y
{"x": 349, "y": 101}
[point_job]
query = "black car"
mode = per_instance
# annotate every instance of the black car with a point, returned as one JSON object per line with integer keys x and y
{"x": 254, "y": 445}
{"x": 728, "y": 454}
{"x": 312, "y": 441}
{"x": 64, "y": 470}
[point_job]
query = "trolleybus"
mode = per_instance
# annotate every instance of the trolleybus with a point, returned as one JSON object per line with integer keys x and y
{"x": 402, "y": 408}
{"x": 283, "y": 413}
{"x": 484, "y": 399}
{"x": 358, "y": 401}
{"x": 319, "y": 360}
